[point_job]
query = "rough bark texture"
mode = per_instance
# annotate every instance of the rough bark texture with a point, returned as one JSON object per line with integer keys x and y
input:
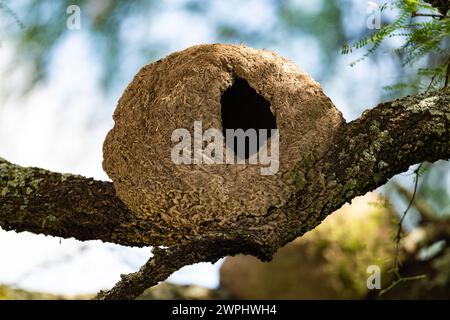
{"x": 65, "y": 205}
{"x": 385, "y": 141}
{"x": 367, "y": 152}
{"x": 389, "y": 138}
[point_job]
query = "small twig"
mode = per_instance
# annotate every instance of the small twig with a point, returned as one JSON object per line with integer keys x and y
{"x": 400, "y": 223}
{"x": 440, "y": 16}
{"x": 447, "y": 73}
{"x": 399, "y": 278}
{"x": 11, "y": 12}
{"x": 419, "y": 203}
{"x": 431, "y": 82}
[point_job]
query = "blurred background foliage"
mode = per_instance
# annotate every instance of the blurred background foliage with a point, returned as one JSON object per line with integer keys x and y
{"x": 111, "y": 26}
{"x": 403, "y": 56}
{"x": 120, "y": 33}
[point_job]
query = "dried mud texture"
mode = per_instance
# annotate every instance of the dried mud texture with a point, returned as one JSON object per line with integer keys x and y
{"x": 234, "y": 200}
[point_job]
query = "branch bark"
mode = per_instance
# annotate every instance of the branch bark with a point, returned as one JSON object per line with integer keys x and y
{"x": 66, "y": 205}
{"x": 367, "y": 152}
{"x": 385, "y": 141}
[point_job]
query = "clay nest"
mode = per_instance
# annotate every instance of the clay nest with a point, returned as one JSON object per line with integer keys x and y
{"x": 224, "y": 87}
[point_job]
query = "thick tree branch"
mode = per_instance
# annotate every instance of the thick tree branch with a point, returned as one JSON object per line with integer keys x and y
{"x": 385, "y": 141}
{"x": 367, "y": 152}
{"x": 65, "y": 205}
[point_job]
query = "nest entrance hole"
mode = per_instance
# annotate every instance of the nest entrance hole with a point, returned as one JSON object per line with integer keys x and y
{"x": 243, "y": 108}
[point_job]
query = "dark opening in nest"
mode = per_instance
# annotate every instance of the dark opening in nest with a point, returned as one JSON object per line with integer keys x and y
{"x": 243, "y": 108}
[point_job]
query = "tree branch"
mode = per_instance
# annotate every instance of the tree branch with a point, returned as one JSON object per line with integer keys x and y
{"x": 166, "y": 261}
{"x": 367, "y": 152}
{"x": 385, "y": 141}
{"x": 66, "y": 205}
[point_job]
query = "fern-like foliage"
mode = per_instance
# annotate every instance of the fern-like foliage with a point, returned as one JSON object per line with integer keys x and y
{"x": 425, "y": 30}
